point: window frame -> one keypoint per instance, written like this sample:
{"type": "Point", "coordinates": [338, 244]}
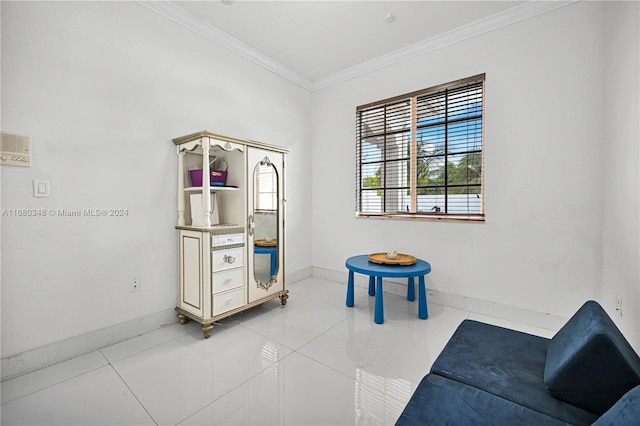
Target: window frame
{"type": "Point", "coordinates": [395, 103]}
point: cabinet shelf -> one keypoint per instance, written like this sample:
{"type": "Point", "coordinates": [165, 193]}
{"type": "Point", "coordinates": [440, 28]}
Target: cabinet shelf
{"type": "Point", "coordinates": [212, 188]}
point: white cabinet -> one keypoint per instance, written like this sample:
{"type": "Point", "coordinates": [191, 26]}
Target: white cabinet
{"type": "Point", "coordinates": [230, 227]}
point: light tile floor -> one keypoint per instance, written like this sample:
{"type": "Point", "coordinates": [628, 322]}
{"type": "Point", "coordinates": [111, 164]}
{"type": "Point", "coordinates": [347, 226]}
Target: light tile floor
{"type": "Point", "coordinates": [313, 362]}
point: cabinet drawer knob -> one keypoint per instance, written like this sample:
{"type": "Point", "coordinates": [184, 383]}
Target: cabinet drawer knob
{"type": "Point", "coordinates": [228, 259]}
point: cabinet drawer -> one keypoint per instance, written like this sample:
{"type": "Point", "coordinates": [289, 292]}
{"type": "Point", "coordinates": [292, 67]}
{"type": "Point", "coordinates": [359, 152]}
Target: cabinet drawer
{"type": "Point", "coordinates": [226, 239]}
{"type": "Point", "coordinates": [227, 259]}
{"type": "Point", "coordinates": [223, 302]}
{"type": "Point", "coordinates": [227, 280]}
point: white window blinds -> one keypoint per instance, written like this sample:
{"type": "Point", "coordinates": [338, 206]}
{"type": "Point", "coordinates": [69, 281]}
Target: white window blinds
{"type": "Point", "coordinates": [421, 154]}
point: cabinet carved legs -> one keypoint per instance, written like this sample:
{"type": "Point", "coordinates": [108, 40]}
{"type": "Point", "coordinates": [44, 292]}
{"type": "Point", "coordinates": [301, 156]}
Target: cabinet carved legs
{"type": "Point", "coordinates": [283, 299]}
{"type": "Point", "coordinates": [206, 330]}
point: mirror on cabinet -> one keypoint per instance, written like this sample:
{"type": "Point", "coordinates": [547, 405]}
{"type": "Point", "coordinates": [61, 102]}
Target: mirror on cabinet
{"type": "Point", "coordinates": [265, 220]}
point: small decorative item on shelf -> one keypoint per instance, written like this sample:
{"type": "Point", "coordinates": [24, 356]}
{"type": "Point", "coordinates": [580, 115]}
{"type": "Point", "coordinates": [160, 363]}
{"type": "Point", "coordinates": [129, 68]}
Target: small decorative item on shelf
{"type": "Point", "coordinates": [218, 174]}
{"type": "Point", "coordinates": [218, 177]}
{"type": "Point", "coordinates": [397, 259]}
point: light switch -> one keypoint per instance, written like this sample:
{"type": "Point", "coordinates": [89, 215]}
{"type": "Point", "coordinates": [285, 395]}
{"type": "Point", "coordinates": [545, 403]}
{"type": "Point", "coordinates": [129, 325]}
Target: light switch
{"type": "Point", "coordinates": [41, 188]}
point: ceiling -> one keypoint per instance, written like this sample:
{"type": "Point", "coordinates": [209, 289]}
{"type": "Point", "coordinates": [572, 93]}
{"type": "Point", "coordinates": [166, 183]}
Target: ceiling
{"type": "Point", "coordinates": [318, 43]}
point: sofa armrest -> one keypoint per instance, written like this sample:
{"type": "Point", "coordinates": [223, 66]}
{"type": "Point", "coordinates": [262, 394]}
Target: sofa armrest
{"type": "Point", "coordinates": [589, 363]}
{"type": "Point", "coordinates": [625, 412]}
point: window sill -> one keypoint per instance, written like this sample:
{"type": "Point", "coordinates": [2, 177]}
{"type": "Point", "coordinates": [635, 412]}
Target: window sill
{"type": "Point", "coordinates": [427, 216]}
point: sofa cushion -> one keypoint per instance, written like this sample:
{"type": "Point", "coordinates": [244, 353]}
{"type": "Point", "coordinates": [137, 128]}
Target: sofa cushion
{"type": "Point", "coordinates": [440, 401]}
{"type": "Point", "coordinates": [506, 363]}
{"type": "Point", "coordinates": [589, 362]}
{"type": "Point", "coordinates": [625, 412]}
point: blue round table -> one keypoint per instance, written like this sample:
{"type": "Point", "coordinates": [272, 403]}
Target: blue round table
{"type": "Point", "coordinates": [376, 272]}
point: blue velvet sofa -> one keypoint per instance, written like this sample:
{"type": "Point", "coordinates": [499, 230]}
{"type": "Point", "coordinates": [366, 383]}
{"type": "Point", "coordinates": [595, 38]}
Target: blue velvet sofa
{"type": "Point", "coordinates": [487, 375]}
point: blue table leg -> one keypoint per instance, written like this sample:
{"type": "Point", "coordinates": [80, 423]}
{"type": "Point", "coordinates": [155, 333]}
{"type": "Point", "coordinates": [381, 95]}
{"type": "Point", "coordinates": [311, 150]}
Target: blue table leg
{"type": "Point", "coordinates": [422, 299]}
{"type": "Point", "coordinates": [350, 290]}
{"type": "Point", "coordinates": [411, 290]}
{"type": "Point", "coordinates": [274, 261]}
{"type": "Point", "coordinates": [379, 309]}
{"type": "Point", "coordinates": [372, 288]}
{"type": "Point", "coordinates": [273, 257]}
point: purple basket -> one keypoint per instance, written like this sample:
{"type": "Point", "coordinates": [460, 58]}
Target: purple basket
{"type": "Point", "coordinates": [218, 177]}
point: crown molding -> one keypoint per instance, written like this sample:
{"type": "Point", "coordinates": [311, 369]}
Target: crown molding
{"type": "Point", "coordinates": [174, 12]}
{"type": "Point", "coordinates": [499, 20]}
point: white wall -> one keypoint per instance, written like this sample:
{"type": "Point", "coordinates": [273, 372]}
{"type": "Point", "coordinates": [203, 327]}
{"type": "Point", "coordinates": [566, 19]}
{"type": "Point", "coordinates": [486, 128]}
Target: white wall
{"type": "Point", "coordinates": [102, 88]}
{"type": "Point", "coordinates": [541, 245]}
{"type": "Point", "coordinates": [621, 112]}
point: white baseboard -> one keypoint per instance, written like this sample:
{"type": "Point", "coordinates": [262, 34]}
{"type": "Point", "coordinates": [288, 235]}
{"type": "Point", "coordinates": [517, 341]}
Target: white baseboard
{"type": "Point", "coordinates": [331, 275]}
{"type": "Point", "coordinates": [55, 353]}
{"type": "Point", "coordinates": [299, 275]}
{"type": "Point", "coordinates": [479, 306]}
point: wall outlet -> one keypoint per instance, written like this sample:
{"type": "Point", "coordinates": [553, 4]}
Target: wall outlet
{"type": "Point", "coordinates": [135, 284]}
{"type": "Point", "coordinates": [619, 304]}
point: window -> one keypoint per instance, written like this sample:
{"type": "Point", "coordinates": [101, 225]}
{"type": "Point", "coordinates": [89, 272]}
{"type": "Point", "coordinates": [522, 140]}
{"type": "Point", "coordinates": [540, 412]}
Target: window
{"type": "Point", "coordinates": [421, 154]}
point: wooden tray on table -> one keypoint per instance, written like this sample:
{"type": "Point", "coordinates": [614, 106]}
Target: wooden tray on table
{"type": "Point", "coordinates": [264, 243]}
{"type": "Point", "coordinates": [401, 259]}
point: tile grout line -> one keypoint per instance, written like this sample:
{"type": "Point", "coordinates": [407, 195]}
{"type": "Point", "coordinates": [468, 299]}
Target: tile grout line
{"type": "Point", "coordinates": [56, 383]}
{"type": "Point", "coordinates": [243, 382]}
{"type": "Point", "coordinates": [133, 393]}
